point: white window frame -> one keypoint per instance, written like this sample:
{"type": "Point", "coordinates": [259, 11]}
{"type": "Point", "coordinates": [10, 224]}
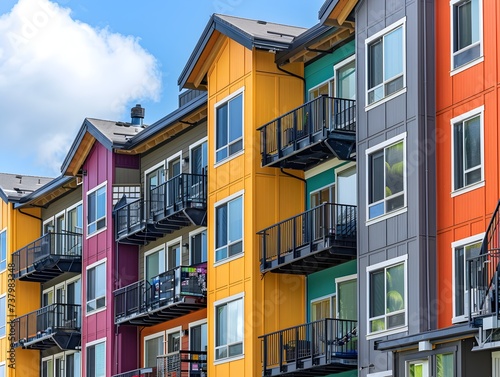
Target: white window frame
{"type": "Point", "coordinates": [195, 324]}
{"type": "Point", "coordinates": [330, 297]}
{"type": "Point", "coordinates": [224, 301]}
{"type": "Point", "coordinates": [69, 209]}
{"type": "Point", "coordinates": [3, 366]}
{"type": "Point", "coordinates": [2, 259]}
{"type": "Point", "coordinates": [152, 251]}
{"type": "Point", "coordinates": [340, 65]}
{"type": "Point", "coordinates": [89, 267]}
{"type": "Point", "coordinates": [191, 235]}
{"type": "Point", "coordinates": [91, 344]}
{"type": "Point", "coordinates": [48, 358]}
{"type": "Point", "coordinates": [341, 280]}
{"type": "Point", "coordinates": [454, 71]}
{"type": "Point", "coordinates": [454, 245]}
{"type": "Point", "coordinates": [222, 202]}
{"type": "Point", "coordinates": [157, 166]}
{"type": "Point", "coordinates": [173, 330]}
{"type": "Point", "coordinates": [153, 336]}
{"type": "Point", "coordinates": [87, 224]}
{"type": "Point", "coordinates": [4, 325]}
{"type": "Point", "coordinates": [368, 152]}
{"type": "Point", "coordinates": [48, 221]}
{"type": "Point", "coordinates": [175, 241]}
{"type": "Point", "coordinates": [51, 289]}
{"type": "Point", "coordinates": [330, 186]}
{"type": "Point", "coordinates": [478, 111]}
{"type": "Point", "coordinates": [194, 145]}
{"type": "Point", "coordinates": [379, 266]}
{"type": "Point", "coordinates": [368, 41]}
{"type": "Point", "coordinates": [331, 87]}
{"type": "Point", "coordinates": [218, 104]}
{"type": "Point", "coordinates": [175, 156]}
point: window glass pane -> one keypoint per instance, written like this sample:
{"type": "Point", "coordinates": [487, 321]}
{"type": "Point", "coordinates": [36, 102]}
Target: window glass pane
{"type": "Point", "coordinates": [472, 141]}
{"type": "Point", "coordinates": [173, 342]}
{"type": "Point", "coordinates": [320, 309]}
{"type": "Point", "coordinates": [153, 348]}
{"type": "Point", "coordinates": [100, 280]}
{"type": "Point", "coordinates": [445, 365]}
{"type": "Point", "coordinates": [221, 326]}
{"type": "Point", "coordinates": [101, 202]}
{"type": "Point", "coordinates": [464, 24]}
{"type": "Point", "coordinates": [92, 207]}
{"type": "Point", "coordinates": [346, 81]}
{"type": "Point", "coordinates": [375, 64]}
{"type": "Point", "coordinates": [459, 281]}
{"type": "Point", "coordinates": [235, 319]}
{"type": "Point", "coordinates": [3, 250]}
{"type": "Point", "coordinates": [91, 281]}
{"type": "Point", "coordinates": [199, 160]}
{"type": "Point", "coordinates": [393, 53]}
{"type": "Point", "coordinates": [100, 360]}
{"type": "Point", "coordinates": [153, 265]}
{"type": "Point", "coordinates": [199, 248]}
{"type": "Point", "coordinates": [458, 155]}
{"type": "Point", "coordinates": [347, 299]}
{"type": "Point", "coordinates": [377, 307]}
{"type": "Point", "coordinates": [222, 136]}
{"type": "Point", "coordinates": [235, 220]}
{"type": "Point", "coordinates": [235, 118]}
{"type": "Point", "coordinates": [394, 169]}
{"type": "Point", "coordinates": [395, 288]}
{"type": "Point", "coordinates": [221, 224]}
{"type": "Point", "coordinates": [174, 256]}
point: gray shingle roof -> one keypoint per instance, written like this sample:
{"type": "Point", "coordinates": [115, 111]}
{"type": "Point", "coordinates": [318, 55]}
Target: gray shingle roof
{"type": "Point", "coordinates": [14, 186]}
{"type": "Point", "coordinates": [115, 132]}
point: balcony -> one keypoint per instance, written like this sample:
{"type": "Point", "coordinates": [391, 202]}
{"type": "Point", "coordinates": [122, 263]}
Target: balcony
{"type": "Point", "coordinates": [319, 238]}
{"type": "Point", "coordinates": [319, 129]}
{"type": "Point", "coordinates": [182, 363]}
{"type": "Point", "coordinates": [170, 295]}
{"type": "Point", "coordinates": [48, 257]}
{"type": "Point", "coordinates": [179, 202]}
{"type": "Point", "coordinates": [53, 325]}
{"type": "Point", "coordinates": [312, 349]}
{"type": "Point", "coordinates": [142, 372]}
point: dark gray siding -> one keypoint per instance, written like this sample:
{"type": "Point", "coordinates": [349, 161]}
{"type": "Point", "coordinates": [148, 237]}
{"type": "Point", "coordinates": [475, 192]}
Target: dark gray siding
{"type": "Point", "coordinates": [68, 200]}
{"type": "Point", "coordinates": [413, 232]}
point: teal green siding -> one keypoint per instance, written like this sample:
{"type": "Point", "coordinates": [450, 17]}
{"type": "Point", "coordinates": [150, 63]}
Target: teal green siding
{"type": "Point", "coordinates": [321, 180]}
{"type": "Point", "coordinates": [322, 69]}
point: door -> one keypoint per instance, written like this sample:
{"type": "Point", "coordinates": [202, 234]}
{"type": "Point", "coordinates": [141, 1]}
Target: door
{"type": "Point", "coordinates": [419, 368]}
{"type": "Point", "coordinates": [346, 199]}
{"type": "Point", "coordinates": [198, 341]}
{"type": "Point", "coordinates": [174, 185]}
{"type": "Point", "coordinates": [155, 190]}
{"type": "Point", "coordinates": [59, 235]}
{"type": "Point", "coordinates": [59, 310]}
{"type": "Point", "coordinates": [345, 110]}
{"type": "Point", "coordinates": [198, 168]}
{"type": "Point", "coordinates": [73, 300]}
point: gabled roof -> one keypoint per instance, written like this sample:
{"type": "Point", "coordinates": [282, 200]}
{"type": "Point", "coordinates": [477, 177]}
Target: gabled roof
{"type": "Point", "coordinates": [49, 192]}
{"type": "Point", "coordinates": [13, 187]}
{"type": "Point", "coordinates": [336, 12]}
{"type": "Point", "coordinates": [249, 33]}
{"type": "Point", "coordinates": [110, 134]}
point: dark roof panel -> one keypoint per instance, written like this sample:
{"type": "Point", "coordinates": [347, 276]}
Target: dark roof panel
{"type": "Point", "coordinates": [13, 187]}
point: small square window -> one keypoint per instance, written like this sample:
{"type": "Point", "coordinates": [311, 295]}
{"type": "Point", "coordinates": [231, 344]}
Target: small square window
{"type": "Point", "coordinates": [229, 229]}
{"type": "Point", "coordinates": [466, 19]}
{"type": "Point", "coordinates": [96, 210]}
{"type": "Point", "coordinates": [96, 287]}
{"type": "Point", "coordinates": [229, 128]}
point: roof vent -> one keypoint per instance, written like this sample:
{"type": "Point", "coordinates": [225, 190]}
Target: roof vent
{"type": "Point", "coordinates": [137, 115]}
{"type": "Point", "coordinates": [262, 22]}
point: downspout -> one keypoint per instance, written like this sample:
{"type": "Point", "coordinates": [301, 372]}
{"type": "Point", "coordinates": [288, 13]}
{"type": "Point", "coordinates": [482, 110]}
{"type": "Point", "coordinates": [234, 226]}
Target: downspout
{"type": "Point", "coordinates": [117, 271]}
{"type": "Point", "coordinates": [291, 74]}
{"type": "Point", "coordinates": [300, 179]}
{"type": "Point", "coordinates": [30, 215]}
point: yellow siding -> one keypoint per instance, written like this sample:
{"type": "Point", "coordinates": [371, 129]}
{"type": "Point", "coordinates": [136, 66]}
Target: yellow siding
{"type": "Point", "coordinates": [21, 229]}
{"type": "Point", "coordinates": [274, 301]}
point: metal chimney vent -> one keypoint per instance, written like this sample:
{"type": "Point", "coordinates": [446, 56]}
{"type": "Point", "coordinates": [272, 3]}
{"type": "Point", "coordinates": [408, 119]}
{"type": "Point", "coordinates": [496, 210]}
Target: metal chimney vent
{"type": "Point", "coordinates": [137, 114]}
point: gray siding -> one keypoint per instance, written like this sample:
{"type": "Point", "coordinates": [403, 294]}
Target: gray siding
{"type": "Point", "coordinates": [63, 203]}
{"type": "Point", "coordinates": [413, 232]}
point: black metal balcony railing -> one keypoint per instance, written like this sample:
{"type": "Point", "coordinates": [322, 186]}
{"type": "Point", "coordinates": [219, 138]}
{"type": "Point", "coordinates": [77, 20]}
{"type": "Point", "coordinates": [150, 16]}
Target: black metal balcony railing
{"type": "Point", "coordinates": [141, 372]}
{"type": "Point", "coordinates": [48, 257]}
{"type": "Point", "coordinates": [329, 227]}
{"type": "Point", "coordinates": [56, 324]}
{"type": "Point", "coordinates": [483, 275]}
{"type": "Point", "coordinates": [181, 192]}
{"type": "Point", "coordinates": [308, 125]}
{"type": "Point", "coordinates": [179, 202]}
{"type": "Point", "coordinates": [169, 295]}
{"type": "Point", "coordinates": [182, 363]}
{"type": "Point", "coordinates": [315, 348]}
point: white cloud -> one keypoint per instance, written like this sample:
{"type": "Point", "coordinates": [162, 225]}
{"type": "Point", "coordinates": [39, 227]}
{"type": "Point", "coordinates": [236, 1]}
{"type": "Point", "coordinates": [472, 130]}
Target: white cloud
{"type": "Point", "coordinates": [55, 71]}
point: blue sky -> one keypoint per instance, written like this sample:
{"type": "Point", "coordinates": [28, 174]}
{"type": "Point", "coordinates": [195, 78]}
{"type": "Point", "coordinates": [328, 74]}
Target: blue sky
{"type": "Point", "coordinates": [62, 61]}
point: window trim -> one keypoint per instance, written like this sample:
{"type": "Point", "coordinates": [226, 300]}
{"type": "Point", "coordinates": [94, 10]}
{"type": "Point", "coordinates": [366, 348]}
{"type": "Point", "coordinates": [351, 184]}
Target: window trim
{"type": "Point", "coordinates": [172, 242]}
{"type": "Point", "coordinates": [454, 71]}
{"type": "Point", "coordinates": [86, 216]}
{"type": "Point", "coordinates": [149, 337]}
{"type": "Point", "coordinates": [383, 265]}
{"type": "Point", "coordinates": [152, 251]}
{"type": "Point", "coordinates": [89, 267]}
{"type": "Point", "coordinates": [176, 156]}
{"type": "Point", "coordinates": [333, 310]}
{"type": "Point", "coordinates": [381, 33]}
{"type": "Point", "coordinates": [368, 152]}
{"type": "Point", "coordinates": [454, 245]}
{"type": "Point", "coordinates": [329, 186]}
{"type": "Point", "coordinates": [227, 199]}
{"type": "Point", "coordinates": [223, 301]}
{"type": "Point", "coordinates": [4, 231]}
{"type": "Point", "coordinates": [218, 104]}
{"type": "Point", "coordinates": [343, 279]}
{"type": "Point", "coordinates": [331, 81]}
{"type": "Point", "coordinates": [92, 344]}
{"type": "Point", "coordinates": [194, 145]}
{"type": "Point", "coordinates": [460, 119]}
{"type": "Point", "coordinates": [340, 65]}
{"type": "Point", "coordinates": [191, 235]}
{"type": "Point", "coordinates": [172, 330]}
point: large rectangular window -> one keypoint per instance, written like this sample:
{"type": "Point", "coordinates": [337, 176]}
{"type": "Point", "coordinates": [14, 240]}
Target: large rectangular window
{"type": "Point", "coordinates": [229, 328]}
{"type": "Point", "coordinates": [229, 127]}
{"type": "Point", "coordinates": [467, 149]}
{"type": "Point", "coordinates": [154, 345]}
{"type": "Point", "coordinates": [198, 247]}
{"type": "Point", "coordinates": [387, 295]}
{"type": "Point", "coordinates": [386, 178]}
{"type": "Point", "coordinates": [466, 19]}
{"type": "Point", "coordinates": [463, 250]}
{"type": "Point", "coordinates": [385, 52]}
{"type": "Point", "coordinates": [229, 228]}
{"type": "Point", "coordinates": [96, 210]}
{"type": "Point", "coordinates": [96, 287]}
{"type": "Point", "coordinates": [3, 250]}
{"type": "Point", "coordinates": [96, 360]}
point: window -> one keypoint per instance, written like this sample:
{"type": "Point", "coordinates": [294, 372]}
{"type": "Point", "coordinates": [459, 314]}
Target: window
{"type": "Point", "coordinates": [229, 127]}
{"type": "Point", "coordinates": [3, 315]}
{"type": "Point", "coordinates": [75, 219]}
{"type": "Point", "coordinates": [198, 159]}
{"type": "Point", "coordinates": [323, 308]}
{"type": "Point", "coordinates": [462, 298]}
{"type": "Point", "coordinates": [324, 89]}
{"type": "Point", "coordinates": [96, 287]}
{"type": "Point", "coordinates": [467, 149]}
{"type": "Point", "coordinates": [418, 368]}
{"type": "Point", "coordinates": [385, 53]}
{"type": "Point", "coordinates": [198, 247]}
{"type": "Point", "coordinates": [155, 263]}
{"type": "Point", "coordinates": [153, 347]}
{"type": "Point", "coordinates": [96, 215]}
{"type": "Point", "coordinates": [2, 370]}
{"type": "Point", "coordinates": [173, 342]}
{"type": "Point", "coordinates": [466, 19]}
{"type": "Point", "coordinates": [345, 72]}
{"type": "Point", "coordinates": [324, 195]}
{"type": "Point", "coordinates": [229, 328]}
{"type": "Point", "coordinates": [73, 365]}
{"type": "Point", "coordinates": [347, 293]}
{"type": "Point", "coordinates": [154, 194]}
{"type": "Point", "coordinates": [48, 368]}
{"type": "Point", "coordinates": [386, 178]}
{"type": "Point", "coordinates": [387, 295]}
{"type": "Point", "coordinates": [445, 365]}
{"type": "Point", "coordinates": [229, 228]}
{"type": "Point", "coordinates": [198, 341]}
{"type": "Point", "coordinates": [96, 360]}
{"type": "Point", "coordinates": [3, 250]}
{"type": "Point", "coordinates": [174, 257]}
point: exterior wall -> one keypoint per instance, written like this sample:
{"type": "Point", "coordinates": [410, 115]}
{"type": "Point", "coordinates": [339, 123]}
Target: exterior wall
{"type": "Point", "coordinates": [457, 94]}
{"type": "Point", "coordinates": [268, 197]}
{"type": "Point", "coordinates": [63, 203]}
{"type": "Point", "coordinates": [411, 233]}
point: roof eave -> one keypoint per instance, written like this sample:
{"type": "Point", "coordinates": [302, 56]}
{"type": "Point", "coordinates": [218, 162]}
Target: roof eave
{"type": "Point", "coordinates": [42, 191]}
{"type": "Point", "coordinates": [326, 9]}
